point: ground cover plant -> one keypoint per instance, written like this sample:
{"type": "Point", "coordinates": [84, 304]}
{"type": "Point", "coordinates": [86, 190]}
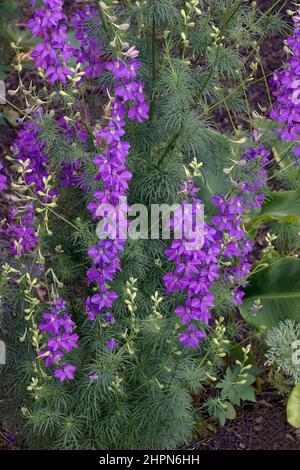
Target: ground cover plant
{"type": "Point", "coordinates": [125, 335]}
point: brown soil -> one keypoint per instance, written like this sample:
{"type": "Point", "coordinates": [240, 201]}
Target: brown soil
{"type": "Point", "coordinates": [259, 426]}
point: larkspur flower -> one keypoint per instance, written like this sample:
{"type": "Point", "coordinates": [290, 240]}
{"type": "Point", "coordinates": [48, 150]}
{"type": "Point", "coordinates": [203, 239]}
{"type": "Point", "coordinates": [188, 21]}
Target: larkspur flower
{"type": "Point", "coordinates": [286, 89]}
{"type": "Point", "coordinates": [194, 273]}
{"type": "Point", "coordinates": [252, 190]}
{"type": "Point", "coordinates": [65, 372]}
{"type": "Point", "coordinates": [55, 49]}
{"type": "Point", "coordinates": [111, 344]}
{"type": "Point", "coordinates": [235, 245]}
{"type": "Point", "coordinates": [192, 337]}
{"type": "Point", "coordinates": [58, 327]}
{"type": "Point", "coordinates": [89, 51]}
{"type": "Point", "coordinates": [225, 252]}
{"type": "Point", "coordinates": [114, 178]}
{"type": "Point", "coordinates": [30, 149]}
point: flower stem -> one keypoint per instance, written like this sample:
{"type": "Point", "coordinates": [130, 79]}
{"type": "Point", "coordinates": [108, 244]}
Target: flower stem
{"type": "Point", "coordinates": [102, 16]}
{"type": "Point", "coordinates": [153, 50]}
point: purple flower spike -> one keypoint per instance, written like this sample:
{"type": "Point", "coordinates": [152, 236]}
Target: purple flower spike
{"type": "Point", "coordinates": [111, 344]}
{"type": "Point", "coordinates": [65, 372]}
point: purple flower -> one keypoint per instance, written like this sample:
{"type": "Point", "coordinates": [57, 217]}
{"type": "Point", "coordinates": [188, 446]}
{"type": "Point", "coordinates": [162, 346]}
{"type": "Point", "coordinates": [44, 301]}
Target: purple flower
{"type": "Point", "coordinates": [138, 112]}
{"type": "Point", "coordinates": [21, 224]}
{"type": "Point", "coordinates": [191, 338]}
{"type": "Point", "coordinates": [111, 344]}
{"type": "Point", "coordinates": [286, 89]}
{"type": "Point", "coordinates": [65, 372]}
{"type": "Point", "coordinates": [225, 251]}
{"type": "Point", "coordinates": [58, 326]}
{"type": "Point", "coordinates": [55, 49]}
{"type": "Point", "coordinates": [94, 378]}
{"type": "Point", "coordinates": [57, 74]}
{"type": "Point", "coordinates": [114, 176]}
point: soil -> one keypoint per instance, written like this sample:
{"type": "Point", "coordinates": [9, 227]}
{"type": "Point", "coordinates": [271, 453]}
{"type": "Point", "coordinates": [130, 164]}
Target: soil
{"type": "Point", "coordinates": [258, 426]}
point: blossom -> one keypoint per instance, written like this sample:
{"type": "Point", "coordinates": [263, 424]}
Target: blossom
{"type": "Point", "coordinates": [191, 338]}
{"type": "Point", "coordinates": [255, 173]}
{"type": "Point", "coordinates": [66, 371]}
{"type": "Point", "coordinates": [236, 246]}
{"type": "Point", "coordinates": [111, 344]}
{"type": "Point", "coordinates": [58, 326]}
{"type": "Point", "coordinates": [195, 270]}
{"type": "Point", "coordinates": [225, 251]}
{"type": "Point", "coordinates": [94, 377]}
{"type": "Point", "coordinates": [89, 51]}
{"type": "Point", "coordinates": [55, 49]}
{"type": "Point", "coordinates": [286, 89]}
{"type": "Point", "coordinates": [115, 178]}
{"type": "Point", "coordinates": [30, 149]}
{"type": "Point", "coordinates": [138, 112]}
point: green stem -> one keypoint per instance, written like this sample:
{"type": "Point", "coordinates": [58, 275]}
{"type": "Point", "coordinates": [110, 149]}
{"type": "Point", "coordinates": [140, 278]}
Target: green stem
{"type": "Point", "coordinates": [62, 218]}
{"type": "Point", "coordinates": [102, 16]}
{"type": "Point", "coordinates": [153, 50]}
{"type": "Point", "coordinates": [228, 111]}
{"type": "Point", "coordinates": [170, 146]}
{"type": "Point", "coordinates": [265, 80]}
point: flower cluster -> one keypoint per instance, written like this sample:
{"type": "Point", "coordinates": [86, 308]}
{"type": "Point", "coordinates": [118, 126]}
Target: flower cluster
{"type": "Point", "coordinates": [287, 91]}
{"type": "Point", "coordinates": [235, 245]}
{"type": "Point", "coordinates": [55, 50]}
{"type": "Point", "coordinates": [88, 53]}
{"type": "Point", "coordinates": [70, 174]}
{"type": "Point", "coordinates": [195, 271]}
{"type": "Point", "coordinates": [254, 175]}
{"type": "Point", "coordinates": [225, 252]}
{"type": "Point", "coordinates": [114, 178]}
{"type": "Point", "coordinates": [58, 325]}
{"type": "Point", "coordinates": [29, 151]}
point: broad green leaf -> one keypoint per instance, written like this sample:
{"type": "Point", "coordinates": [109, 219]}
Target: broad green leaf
{"type": "Point", "coordinates": [293, 407]}
{"type": "Point", "coordinates": [11, 116]}
{"type": "Point", "coordinates": [214, 181]}
{"type": "Point", "coordinates": [230, 412]}
{"type": "Point", "coordinates": [283, 206]}
{"type": "Point", "coordinates": [278, 288]}
{"type": "Point", "coordinates": [232, 388]}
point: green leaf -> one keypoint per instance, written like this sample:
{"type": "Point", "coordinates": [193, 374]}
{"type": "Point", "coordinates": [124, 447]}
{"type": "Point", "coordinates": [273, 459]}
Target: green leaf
{"type": "Point", "coordinates": [293, 407]}
{"type": "Point", "coordinates": [11, 116]}
{"type": "Point", "coordinates": [233, 390]}
{"type": "Point", "coordinates": [214, 182]}
{"type": "Point", "coordinates": [230, 412]}
{"type": "Point", "coordinates": [246, 393]}
{"type": "Point", "coordinates": [278, 288]}
{"type": "Point", "coordinates": [284, 205]}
